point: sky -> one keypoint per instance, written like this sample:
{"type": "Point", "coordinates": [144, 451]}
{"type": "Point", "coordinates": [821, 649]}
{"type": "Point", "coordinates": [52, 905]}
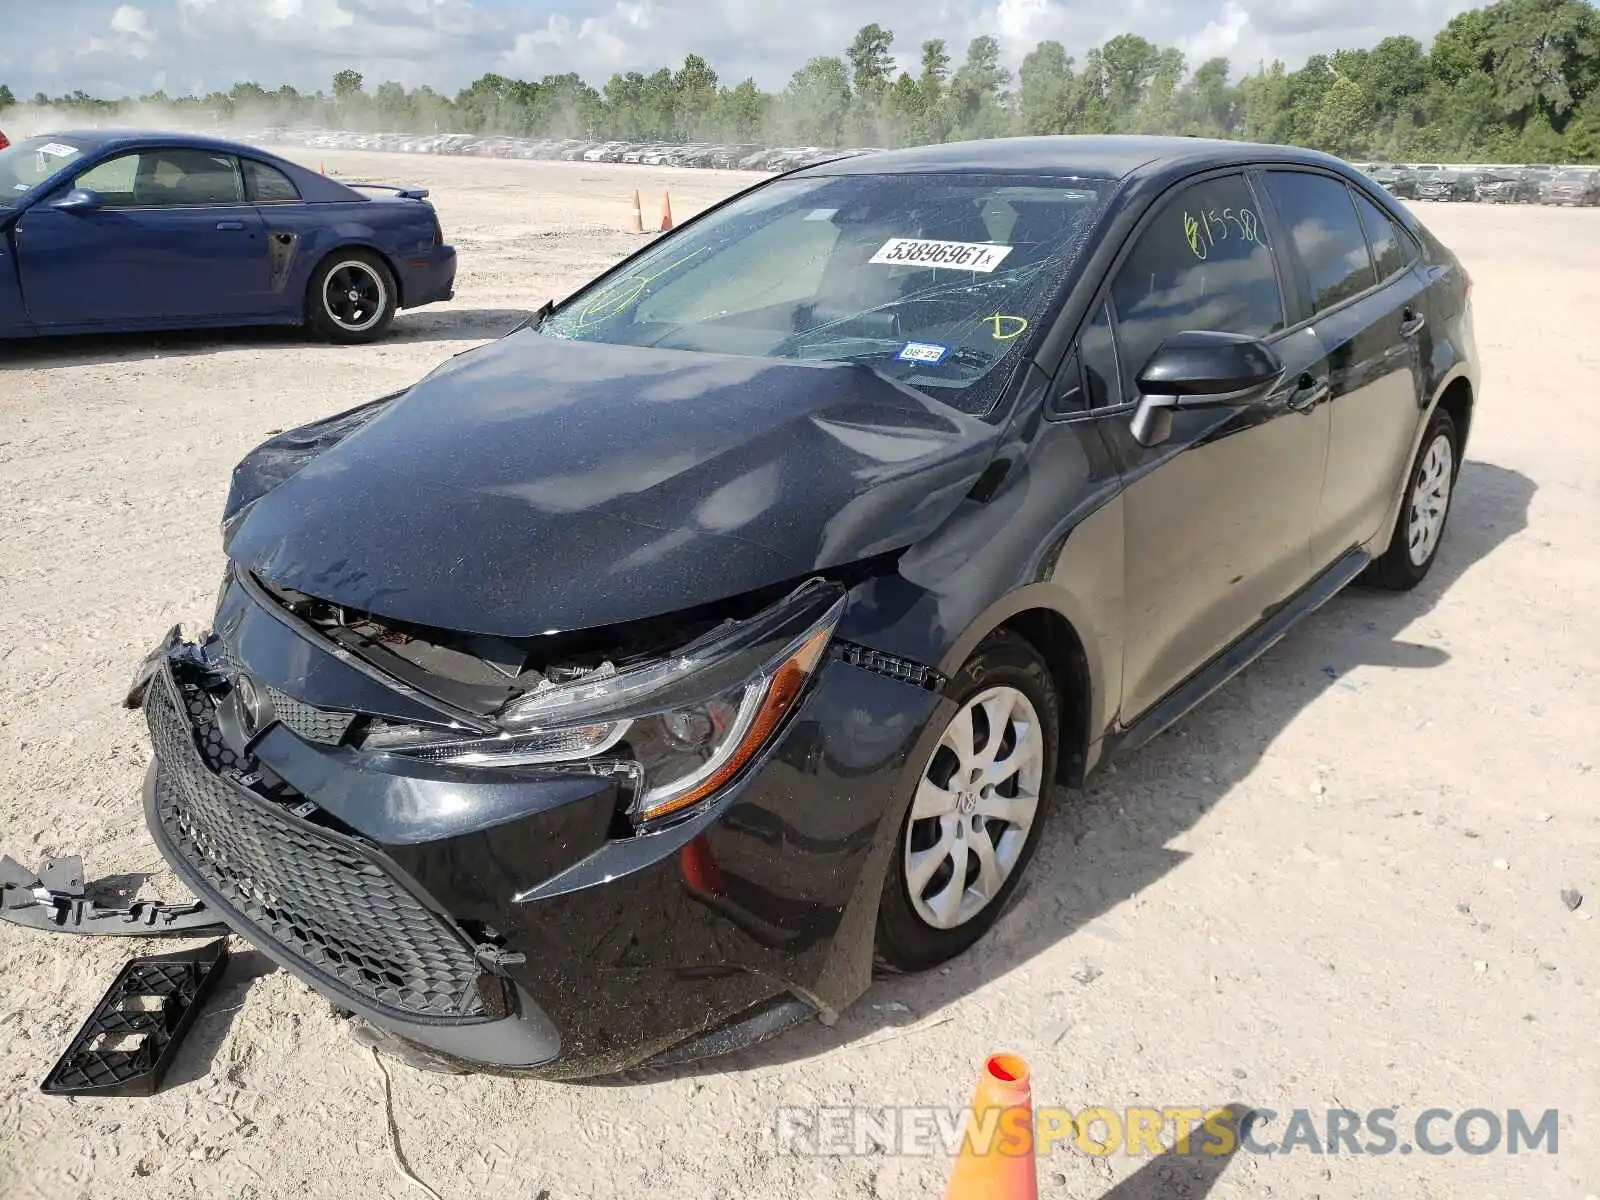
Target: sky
{"type": "Point", "coordinates": [108, 48]}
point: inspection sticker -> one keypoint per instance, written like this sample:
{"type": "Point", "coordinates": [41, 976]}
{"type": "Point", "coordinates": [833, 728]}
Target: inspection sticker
{"type": "Point", "coordinates": [963, 256]}
{"type": "Point", "coordinates": [57, 150]}
{"type": "Point", "coordinates": [822, 214]}
{"type": "Point", "coordinates": [923, 352]}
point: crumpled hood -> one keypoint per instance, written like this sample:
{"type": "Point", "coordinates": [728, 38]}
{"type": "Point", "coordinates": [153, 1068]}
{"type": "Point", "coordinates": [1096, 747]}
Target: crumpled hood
{"type": "Point", "coordinates": [536, 485]}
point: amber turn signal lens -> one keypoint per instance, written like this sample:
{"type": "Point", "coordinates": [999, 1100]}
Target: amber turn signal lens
{"type": "Point", "coordinates": [782, 691]}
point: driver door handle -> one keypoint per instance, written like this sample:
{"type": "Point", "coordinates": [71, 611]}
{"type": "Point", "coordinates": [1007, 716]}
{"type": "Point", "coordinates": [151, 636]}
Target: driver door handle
{"type": "Point", "coordinates": [1411, 323]}
{"type": "Point", "coordinates": [230, 224]}
{"type": "Point", "coordinates": [1308, 393]}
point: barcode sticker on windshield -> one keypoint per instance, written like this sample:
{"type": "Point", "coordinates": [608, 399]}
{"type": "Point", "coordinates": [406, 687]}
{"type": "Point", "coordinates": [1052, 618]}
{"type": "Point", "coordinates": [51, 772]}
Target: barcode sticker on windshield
{"type": "Point", "coordinates": [961, 256]}
{"type": "Point", "coordinates": [57, 150]}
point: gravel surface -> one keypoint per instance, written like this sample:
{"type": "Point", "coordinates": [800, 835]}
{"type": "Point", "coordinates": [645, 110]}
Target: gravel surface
{"type": "Point", "coordinates": [1346, 882]}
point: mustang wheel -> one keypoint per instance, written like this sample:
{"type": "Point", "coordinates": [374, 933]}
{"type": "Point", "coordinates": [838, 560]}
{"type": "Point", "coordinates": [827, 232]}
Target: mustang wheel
{"type": "Point", "coordinates": [1420, 529]}
{"type": "Point", "coordinates": [352, 297]}
{"type": "Point", "coordinates": [979, 803]}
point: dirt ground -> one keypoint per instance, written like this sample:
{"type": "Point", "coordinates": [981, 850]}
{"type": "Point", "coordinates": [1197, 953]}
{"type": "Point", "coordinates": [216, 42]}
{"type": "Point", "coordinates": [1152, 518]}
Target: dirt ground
{"type": "Point", "coordinates": [1337, 885]}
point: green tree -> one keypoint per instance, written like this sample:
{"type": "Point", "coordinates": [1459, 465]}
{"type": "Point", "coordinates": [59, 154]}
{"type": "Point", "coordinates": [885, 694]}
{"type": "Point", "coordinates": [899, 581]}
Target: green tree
{"type": "Point", "coordinates": [7, 100]}
{"type": "Point", "coordinates": [816, 101]}
{"type": "Point", "coordinates": [1264, 104]}
{"type": "Point", "coordinates": [871, 65]}
{"type": "Point", "coordinates": [1045, 85]}
{"type": "Point", "coordinates": [1544, 54]}
{"type": "Point", "coordinates": [1339, 124]}
{"type": "Point", "coordinates": [347, 84]}
{"type": "Point", "coordinates": [977, 91]}
{"type": "Point", "coordinates": [1128, 65]}
{"type": "Point", "coordinates": [1208, 104]}
{"type": "Point", "coordinates": [743, 112]}
{"type": "Point", "coordinates": [392, 103]}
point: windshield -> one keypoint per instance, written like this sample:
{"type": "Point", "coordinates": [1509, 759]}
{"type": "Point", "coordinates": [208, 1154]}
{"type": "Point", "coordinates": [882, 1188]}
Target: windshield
{"type": "Point", "coordinates": [930, 279]}
{"type": "Point", "coordinates": [28, 163]}
{"type": "Point", "coordinates": [1580, 176]}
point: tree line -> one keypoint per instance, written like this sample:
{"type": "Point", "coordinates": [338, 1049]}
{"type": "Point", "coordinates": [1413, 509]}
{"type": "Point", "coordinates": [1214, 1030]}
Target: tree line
{"type": "Point", "coordinates": [1516, 81]}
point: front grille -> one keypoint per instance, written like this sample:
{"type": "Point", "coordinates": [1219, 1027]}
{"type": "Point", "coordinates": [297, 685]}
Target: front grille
{"type": "Point", "coordinates": [326, 899]}
{"type": "Point", "coordinates": [314, 724]}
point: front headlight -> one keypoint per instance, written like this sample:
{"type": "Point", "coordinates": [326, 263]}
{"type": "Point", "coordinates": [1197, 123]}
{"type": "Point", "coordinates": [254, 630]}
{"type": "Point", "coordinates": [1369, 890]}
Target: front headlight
{"type": "Point", "coordinates": [677, 729]}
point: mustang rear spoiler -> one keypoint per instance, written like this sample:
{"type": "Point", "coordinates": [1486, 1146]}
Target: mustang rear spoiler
{"type": "Point", "coordinates": [405, 193]}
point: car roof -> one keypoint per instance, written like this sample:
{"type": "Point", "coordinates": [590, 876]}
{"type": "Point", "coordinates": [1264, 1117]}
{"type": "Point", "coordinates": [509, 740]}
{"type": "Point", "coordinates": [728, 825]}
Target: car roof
{"type": "Point", "coordinates": [1081, 156]}
{"type": "Point", "coordinates": [100, 138]}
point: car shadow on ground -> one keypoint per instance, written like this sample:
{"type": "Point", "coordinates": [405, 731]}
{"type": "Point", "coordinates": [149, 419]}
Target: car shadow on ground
{"type": "Point", "coordinates": [1105, 845]}
{"type": "Point", "coordinates": [99, 349]}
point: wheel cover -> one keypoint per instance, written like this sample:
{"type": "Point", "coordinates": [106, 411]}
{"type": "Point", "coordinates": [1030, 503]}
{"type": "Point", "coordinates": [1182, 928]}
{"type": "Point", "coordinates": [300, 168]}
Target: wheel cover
{"type": "Point", "coordinates": [975, 803]}
{"type": "Point", "coordinates": [1430, 500]}
{"type": "Point", "coordinates": [354, 296]}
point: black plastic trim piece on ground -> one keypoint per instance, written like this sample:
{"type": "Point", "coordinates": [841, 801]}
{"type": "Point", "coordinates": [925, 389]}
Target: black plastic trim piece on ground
{"type": "Point", "coordinates": [55, 900]}
{"type": "Point", "coordinates": [151, 1003]}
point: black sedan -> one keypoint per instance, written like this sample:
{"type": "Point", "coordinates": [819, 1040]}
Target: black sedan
{"type": "Point", "coordinates": [1447, 185]}
{"type": "Point", "coordinates": [1507, 187]}
{"type": "Point", "coordinates": [1400, 182]}
{"type": "Point", "coordinates": [630, 685]}
{"type": "Point", "coordinates": [1577, 187]}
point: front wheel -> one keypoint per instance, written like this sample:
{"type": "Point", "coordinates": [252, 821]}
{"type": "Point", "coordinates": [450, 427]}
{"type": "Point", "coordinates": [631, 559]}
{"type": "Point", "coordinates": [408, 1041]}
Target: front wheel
{"type": "Point", "coordinates": [352, 297]}
{"type": "Point", "coordinates": [1420, 528]}
{"type": "Point", "coordinates": [974, 818]}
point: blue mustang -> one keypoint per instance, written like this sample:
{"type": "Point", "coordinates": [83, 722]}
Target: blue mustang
{"type": "Point", "coordinates": [123, 231]}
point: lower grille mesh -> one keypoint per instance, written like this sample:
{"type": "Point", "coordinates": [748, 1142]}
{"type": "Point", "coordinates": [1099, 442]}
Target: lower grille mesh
{"type": "Point", "coordinates": [322, 897]}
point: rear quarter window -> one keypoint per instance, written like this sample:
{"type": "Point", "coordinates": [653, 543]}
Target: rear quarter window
{"type": "Point", "coordinates": [267, 185]}
{"type": "Point", "coordinates": [1392, 248]}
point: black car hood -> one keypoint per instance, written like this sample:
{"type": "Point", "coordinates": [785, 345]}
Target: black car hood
{"type": "Point", "coordinates": [537, 485]}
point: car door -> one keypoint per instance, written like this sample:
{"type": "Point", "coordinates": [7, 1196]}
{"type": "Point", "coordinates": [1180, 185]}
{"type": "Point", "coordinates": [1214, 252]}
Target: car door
{"type": "Point", "coordinates": [172, 240]}
{"type": "Point", "coordinates": [1351, 267]}
{"type": "Point", "coordinates": [1217, 518]}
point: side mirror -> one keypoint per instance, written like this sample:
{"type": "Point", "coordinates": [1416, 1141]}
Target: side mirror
{"type": "Point", "coordinates": [1201, 370]}
{"type": "Point", "coordinates": [79, 200]}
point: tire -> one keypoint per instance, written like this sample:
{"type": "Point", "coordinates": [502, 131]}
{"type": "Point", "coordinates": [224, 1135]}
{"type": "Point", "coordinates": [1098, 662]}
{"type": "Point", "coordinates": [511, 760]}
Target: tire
{"type": "Point", "coordinates": [352, 297]}
{"type": "Point", "coordinates": [1004, 670]}
{"type": "Point", "coordinates": [1419, 529]}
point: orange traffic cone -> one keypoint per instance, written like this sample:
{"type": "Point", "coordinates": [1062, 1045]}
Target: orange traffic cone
{"type": "Point", "coordinates": [997, 1155]}
{"type": "Point", "coordinates": [666, 211]}
{"type": "Point", "coordinates": [637, 222]}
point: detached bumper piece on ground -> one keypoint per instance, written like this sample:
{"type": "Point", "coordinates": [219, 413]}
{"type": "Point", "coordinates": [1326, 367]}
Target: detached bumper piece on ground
{"type": "Point", "coordinates": [55, 899]}
{"type": "Point", "coordinates": [131, 1038]}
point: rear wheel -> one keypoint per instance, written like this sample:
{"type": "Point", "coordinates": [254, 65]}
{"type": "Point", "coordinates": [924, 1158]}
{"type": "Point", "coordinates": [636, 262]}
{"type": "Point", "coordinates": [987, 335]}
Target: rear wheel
{"type": "Point", "coordinates": [352, 297]}
{"type": "Point", "coordinates": [1420, 527]}
{"type": "Point", "coordinates": [974, 820]}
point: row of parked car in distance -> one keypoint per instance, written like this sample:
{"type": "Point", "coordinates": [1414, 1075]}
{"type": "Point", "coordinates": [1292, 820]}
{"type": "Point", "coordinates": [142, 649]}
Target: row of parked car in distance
{"type": "Point", "coordinates": [725, 156]}
{"type": "Point", "coordinates": [1539, 183]}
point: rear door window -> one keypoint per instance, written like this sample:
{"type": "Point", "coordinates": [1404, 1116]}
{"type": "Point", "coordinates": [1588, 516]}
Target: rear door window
{"type": "Point", "coordinates": [1204, 263]}
{"type": "Point", "coordinates": [1326, 233]}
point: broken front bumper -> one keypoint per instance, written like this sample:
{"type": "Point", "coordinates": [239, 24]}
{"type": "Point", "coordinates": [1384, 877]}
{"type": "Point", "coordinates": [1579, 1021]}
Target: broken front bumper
{"type": "Point", "coordinates": [331, 908]}
{"type": "Point", "coordinates": [502, 917]}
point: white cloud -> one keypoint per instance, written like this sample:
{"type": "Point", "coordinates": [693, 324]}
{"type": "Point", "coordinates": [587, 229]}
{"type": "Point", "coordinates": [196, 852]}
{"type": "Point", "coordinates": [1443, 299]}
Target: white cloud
{"type": "Point", "coordinates": [132, 22]}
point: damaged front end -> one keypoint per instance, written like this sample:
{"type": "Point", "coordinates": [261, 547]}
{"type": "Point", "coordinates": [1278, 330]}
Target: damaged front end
{"type": "Point", "coordinates": [559, 854]}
